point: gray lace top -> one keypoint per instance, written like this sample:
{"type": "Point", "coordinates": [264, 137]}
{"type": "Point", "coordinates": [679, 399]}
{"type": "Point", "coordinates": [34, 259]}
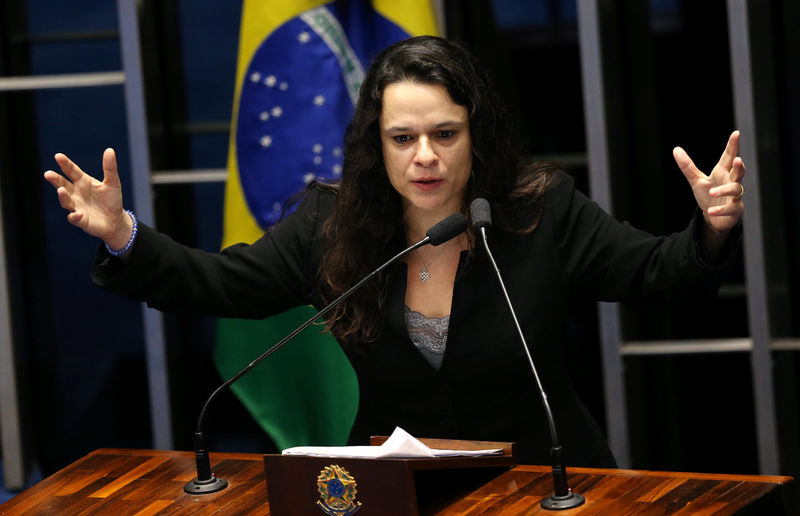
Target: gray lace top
{"type": "Point", "coordinates": [429, 335]}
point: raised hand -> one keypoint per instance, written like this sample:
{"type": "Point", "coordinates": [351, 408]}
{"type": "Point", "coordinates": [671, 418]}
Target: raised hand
{"type": "Point", "coordinates": [94, 206]}
{"type": "Point", "coordinates": [718, 194]}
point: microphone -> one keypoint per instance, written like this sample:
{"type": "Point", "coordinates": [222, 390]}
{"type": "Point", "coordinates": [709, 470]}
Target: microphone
{"type": "Point", "coordinates": [481, 214]}
{"type": "Point", "coordinates": [441, 232]}
{"type": "Point", "coordinates": [206, 482]}
{"type": "Point", "coordinates": [563, 497]}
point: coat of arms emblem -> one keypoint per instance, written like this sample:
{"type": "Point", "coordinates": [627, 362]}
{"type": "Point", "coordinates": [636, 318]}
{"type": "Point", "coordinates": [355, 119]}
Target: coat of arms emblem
{"type": "Point", "coordinates": [337, 491]}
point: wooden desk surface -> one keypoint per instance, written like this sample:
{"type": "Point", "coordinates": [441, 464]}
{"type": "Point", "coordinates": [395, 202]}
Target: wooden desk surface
{"type": "Point", "coordinates": [142, 482]}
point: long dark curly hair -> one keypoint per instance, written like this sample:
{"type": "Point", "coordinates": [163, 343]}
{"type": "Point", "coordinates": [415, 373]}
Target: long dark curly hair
{"type": "Point", "coordinates": [367, 227]}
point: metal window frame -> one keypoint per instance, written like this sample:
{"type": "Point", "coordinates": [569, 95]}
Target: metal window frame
{"type": "Point", "coordinates": [158, 384]}
{"type": "Point", "coordinates": [153, 320]}
{"type": "Point", "coordinates": [761, 343]}
{"type": "Point", "coordinates": [10, 426]}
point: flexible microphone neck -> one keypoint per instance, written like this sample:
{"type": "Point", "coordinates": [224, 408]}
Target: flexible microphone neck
{"type": "Point", "coordinates": [206, 482]}
{"type": "Point", "coordinates": [550, 420]}
{"type": "Point", "coordinates": [563, 497]}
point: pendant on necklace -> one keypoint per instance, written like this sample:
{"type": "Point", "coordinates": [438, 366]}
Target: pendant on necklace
{"type": "Point", "coordinates": [424, 275]}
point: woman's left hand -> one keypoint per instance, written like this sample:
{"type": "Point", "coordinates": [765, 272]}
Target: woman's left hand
{"type": "Point", "coordinates": [719, 194]}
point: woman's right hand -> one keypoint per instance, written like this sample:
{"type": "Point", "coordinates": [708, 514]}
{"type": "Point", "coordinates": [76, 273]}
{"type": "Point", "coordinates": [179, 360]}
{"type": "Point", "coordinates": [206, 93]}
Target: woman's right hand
{"type": "Point", "coordinates": [94, 206]}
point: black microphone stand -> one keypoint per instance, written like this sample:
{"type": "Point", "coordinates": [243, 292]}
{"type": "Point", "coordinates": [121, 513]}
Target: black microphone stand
{"type": "Point", "coordinates": [562, 497]}
{"type": "Point", "coordinates": [206, 481]}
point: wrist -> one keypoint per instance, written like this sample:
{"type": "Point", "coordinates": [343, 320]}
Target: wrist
{"type": "Point", "coordinates": [124, 237]}
{"type": "Point", "coordinates": [713, 241]}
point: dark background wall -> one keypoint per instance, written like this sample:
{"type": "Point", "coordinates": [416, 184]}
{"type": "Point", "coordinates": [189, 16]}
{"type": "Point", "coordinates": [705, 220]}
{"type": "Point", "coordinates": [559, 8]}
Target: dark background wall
{"type": "Point", "coordinates": [81, 350]}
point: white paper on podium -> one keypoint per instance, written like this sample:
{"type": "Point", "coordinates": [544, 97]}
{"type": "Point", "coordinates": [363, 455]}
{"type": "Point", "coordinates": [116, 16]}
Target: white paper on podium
{"type": "Point", "coordinates": [400, 445]}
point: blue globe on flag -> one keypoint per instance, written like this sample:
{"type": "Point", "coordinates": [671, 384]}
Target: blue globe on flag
{"type": "Point", "coordinates": [297, 99]}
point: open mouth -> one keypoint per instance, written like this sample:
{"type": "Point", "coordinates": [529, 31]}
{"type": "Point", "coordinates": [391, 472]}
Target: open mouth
{"type": "Point", "coordinates": [427, 183]}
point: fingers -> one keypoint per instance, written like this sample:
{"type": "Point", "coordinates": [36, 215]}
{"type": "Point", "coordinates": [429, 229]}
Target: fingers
{"type": "Point", "coordinates": [734, 190]}
{"type": "Point", "coordinates": [738, 170]}
{"type": "Point", "coordinates": [730, 152]}
{"type": "Point", "coordinates": [686, 165]}
{"type": "Point", "coordinates": [731, 209]}
{"type": "Point", "coordinates": [74, 172]}
{"type": "Point", "coordinates": [63, 189]}
{"type": "Point", "coordinates": [110, 174]}
{"type": "Point", "coordinates": [57, 180]}
{"type": "Point", "coordinates": [87, 200]}
{"type": "Point", "coordinates": [75, 218]}
{"type": "Point", "coordinates": [65, 199]}
{"type": "Point", "coordinates": [70, 169]}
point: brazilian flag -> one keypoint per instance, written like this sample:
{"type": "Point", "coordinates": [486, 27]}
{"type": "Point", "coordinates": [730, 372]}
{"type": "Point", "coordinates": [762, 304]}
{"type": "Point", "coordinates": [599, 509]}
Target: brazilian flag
{"type": "Point", "coordinates": [299, 69]}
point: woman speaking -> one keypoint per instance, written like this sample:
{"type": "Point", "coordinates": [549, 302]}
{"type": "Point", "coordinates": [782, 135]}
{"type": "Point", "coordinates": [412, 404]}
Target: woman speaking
{"type": "Point", "coordinates": [430, 338]}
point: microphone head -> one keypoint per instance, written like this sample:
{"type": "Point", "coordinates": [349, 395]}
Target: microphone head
{"type": "Point", "coordinates": [447, 229]}
{"type": "Point", "coordinates": [481, 213]}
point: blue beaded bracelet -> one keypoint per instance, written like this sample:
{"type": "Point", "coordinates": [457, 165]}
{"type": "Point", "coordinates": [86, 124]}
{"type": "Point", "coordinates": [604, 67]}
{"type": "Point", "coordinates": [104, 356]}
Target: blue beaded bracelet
{"type": "Point", "coordinates": [131, 240]}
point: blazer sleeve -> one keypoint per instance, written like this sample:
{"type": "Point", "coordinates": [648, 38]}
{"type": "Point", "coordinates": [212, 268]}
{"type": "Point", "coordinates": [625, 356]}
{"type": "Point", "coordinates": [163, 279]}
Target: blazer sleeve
{"type": "Point", "coordinates": [613, 261]}
{"type": "Point", "coordinates": [273, 274]}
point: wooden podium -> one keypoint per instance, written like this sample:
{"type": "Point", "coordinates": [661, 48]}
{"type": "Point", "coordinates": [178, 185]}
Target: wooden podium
{"type": "Point", "coordinates": [143, 482]}
{"type": "Point", "coordinates": [389, 487]}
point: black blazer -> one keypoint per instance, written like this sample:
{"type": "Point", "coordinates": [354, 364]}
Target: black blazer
{"type": "Point", "coordinates": [484, 389]}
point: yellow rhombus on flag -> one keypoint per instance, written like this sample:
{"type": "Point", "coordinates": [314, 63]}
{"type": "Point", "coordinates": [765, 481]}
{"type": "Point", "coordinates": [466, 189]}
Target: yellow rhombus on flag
{"type": "Point", "coordinates": [299, 67]}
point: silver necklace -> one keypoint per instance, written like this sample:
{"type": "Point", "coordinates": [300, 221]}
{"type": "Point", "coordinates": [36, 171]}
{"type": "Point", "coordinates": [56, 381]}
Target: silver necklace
{"type": "Point", "coordinates": [425, 274]}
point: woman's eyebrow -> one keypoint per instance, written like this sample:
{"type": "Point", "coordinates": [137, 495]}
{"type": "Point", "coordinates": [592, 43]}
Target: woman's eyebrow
{"type": "Point", "coordinates": [400, 128]}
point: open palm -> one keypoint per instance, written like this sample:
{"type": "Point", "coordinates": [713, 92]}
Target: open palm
{"type": "Point", "coordinates": [94, 206]}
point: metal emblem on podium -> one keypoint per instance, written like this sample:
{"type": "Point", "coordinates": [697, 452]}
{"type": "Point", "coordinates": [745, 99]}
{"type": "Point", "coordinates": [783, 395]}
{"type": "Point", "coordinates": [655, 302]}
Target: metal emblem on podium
{"type": "Point", "coordinates": [337, 491]}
